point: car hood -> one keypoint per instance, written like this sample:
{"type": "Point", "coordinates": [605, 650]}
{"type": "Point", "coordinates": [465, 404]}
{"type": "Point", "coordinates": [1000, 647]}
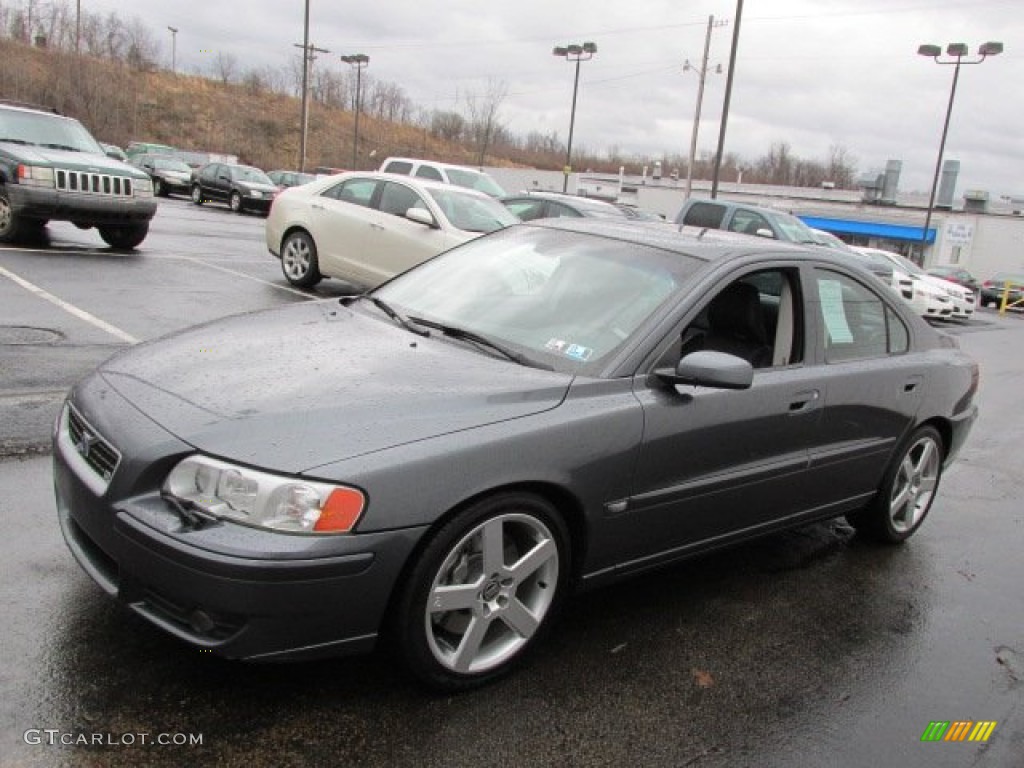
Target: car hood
{"type": "Point", "coordinates": [254, 185]}
{"type": "Point", "coordinates": [76, 161]}
{"type": "Point", "coordinates": [946, 285]}
{"type": "Point", "coordinates": [307, 385]}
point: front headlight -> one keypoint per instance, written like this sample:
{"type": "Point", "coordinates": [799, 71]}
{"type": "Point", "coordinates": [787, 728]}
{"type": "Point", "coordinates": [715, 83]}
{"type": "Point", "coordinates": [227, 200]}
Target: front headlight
{"type": "Point", "coordinates": [142, 187]}
{"type": "Point", "coordinates": [35, 176]}
{"type": "Point", "coordinates": [256, 193]}
{"type": "Point", "coordinates": [244, 495]}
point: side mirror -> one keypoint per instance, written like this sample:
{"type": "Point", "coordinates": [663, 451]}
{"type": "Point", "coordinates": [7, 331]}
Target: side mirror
{"type": "Point", "coordinates": [421, 216]}
{"type": "Point", "coordinates": [710, 369]}
{"type": "Point", "coordinates": [765, 232]}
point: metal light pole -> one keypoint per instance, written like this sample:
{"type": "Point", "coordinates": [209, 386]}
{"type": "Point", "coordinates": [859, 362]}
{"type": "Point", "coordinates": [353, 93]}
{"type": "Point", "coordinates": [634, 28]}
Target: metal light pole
{"type": "Point", "coordinates": [174, 49]}
{"type": "Point", "coordinates": [576, 53]}
{"type": "Point", "coordinates": [728, 97]}
{"type": "Point", "coordinates": [78, 27]}
{"type": "Point", "coordinates": [702, 73]}
{"type": "Point", "coordinates": [956, 53]}
{"type": "Point", "coordinates": [359, 61]}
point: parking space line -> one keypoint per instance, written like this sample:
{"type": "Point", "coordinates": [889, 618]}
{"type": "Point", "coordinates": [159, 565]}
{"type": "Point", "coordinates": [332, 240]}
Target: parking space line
{"type": "Point", "coordinates": [70, 308]}
{"type": "Point", "coordinates": [249, 277]}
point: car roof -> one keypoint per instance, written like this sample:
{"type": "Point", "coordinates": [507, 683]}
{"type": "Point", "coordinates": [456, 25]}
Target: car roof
{"type": "Point", "coordinates": [435, 163]}
{"type": "Point", "coordinates": [578, 200]}
{"type": "Point", "coordinates": [412, 181]}
{"type": "Point", "coordinates": [697, 242]}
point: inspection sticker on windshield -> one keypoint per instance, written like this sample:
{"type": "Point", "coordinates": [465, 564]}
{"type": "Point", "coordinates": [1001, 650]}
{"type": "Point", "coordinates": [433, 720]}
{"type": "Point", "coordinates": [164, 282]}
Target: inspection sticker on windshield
{"type": "Point", "coordinates": [575, 351]}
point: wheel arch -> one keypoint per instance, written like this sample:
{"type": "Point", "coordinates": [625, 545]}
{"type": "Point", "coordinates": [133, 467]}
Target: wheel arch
{"type": "Point", "coordinates": [292, 229]}
{"type": "Point", "coordinates": [943, 427]}
{"type": "Point", "coordinates": [564, 501]}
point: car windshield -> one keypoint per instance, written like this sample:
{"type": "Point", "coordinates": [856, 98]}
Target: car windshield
{"type": "Point", "coordinates": [168, 164]}
{"type": "Point", "coordinates": [905, 264]}
{"type": "Point", "coordinates": [560, 299]}
{"type": "Point", "coordinates": [473, 213]}
{"type": "Point", "coordinates": [794, 229]}
{"type": "Point", "coordinates": [254, 175]}
{"type": "Point", "coordinates": [475, 180]}
{"type": "Point", "coordinates": [48, 131]}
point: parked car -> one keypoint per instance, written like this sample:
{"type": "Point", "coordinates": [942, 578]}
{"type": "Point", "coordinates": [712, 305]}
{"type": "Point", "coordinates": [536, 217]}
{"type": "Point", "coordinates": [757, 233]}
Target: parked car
{"type": "Point", "coordinates": [285, 179]}
{"type": "Point", "coordinates": [367, 227]}
{"type": "Point", "coordinates": [993, 289]}
{"type": "Point", "coordinates": [530, 206]}
{"type": "Point", "coordinates": [827, 239]}
{"type": "Point", "coordinates": [52, 168]}
{"type": "Point", "coordinates": [927, 300]}
{"type": "Point", "coordinates": [963, 299]}
{"type": "Point", "coordinates": [957, 275]}
{"type": "Point", "coordinates": [746, 219]}
{"type": "Point", "coordinates": [242, 187]}
{"type": "Point", "coordinates": [556, 405]}
{"type": "Point", "coordinates": [459, 175]}
{"type": "Point", "coordinates": [170, 175]}
{"type": "Point", "coordinates": [136, 148]}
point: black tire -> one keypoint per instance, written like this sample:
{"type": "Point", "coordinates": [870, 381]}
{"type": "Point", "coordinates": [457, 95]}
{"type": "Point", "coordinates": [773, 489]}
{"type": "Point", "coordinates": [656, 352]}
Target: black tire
{"type": "Point", "coordinates": [12, 227]}
{"type": "Point", "coordinates": [299, 260]}
{"type": "Point", "coordinates": [124, 237]}
{"type": "Point", "coordinates": [496, 612]}
{"type": "Point", "coordinates": [907, 491]}
{"type": "Point", "coordinates": [159, 190]}
{"type": "Point", "coordinates": [197, 194]}
{"type": "Point", "coordinates": [235, 202]}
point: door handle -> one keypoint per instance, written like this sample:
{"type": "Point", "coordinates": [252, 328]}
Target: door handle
{"type": "Point", "coordinates": [804, 401]}
{"type": "Point", "coordinates": [911, 384]}
{"type": "Point", "coordinates": [317, 207]}
{"type": "Point", "coordinates": [376, 226]}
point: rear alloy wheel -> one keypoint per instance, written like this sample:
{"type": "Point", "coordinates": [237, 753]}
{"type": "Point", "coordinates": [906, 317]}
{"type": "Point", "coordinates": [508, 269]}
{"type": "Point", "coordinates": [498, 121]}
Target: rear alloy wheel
{"type": "Point", "coordinates": [907, 492]}
{"type": "Point", "coordinates": [12, 228]}
{"type": "Point", "coordinates": [299, 261]}
{"type": "Point", "coordinates": [197, 194]}
{"type": "Point", "coordinates": [483, 591]}
{"type": "Point", "coordinates": [125, 237]}
{"type": "Point", "coordinates": [235, 202]}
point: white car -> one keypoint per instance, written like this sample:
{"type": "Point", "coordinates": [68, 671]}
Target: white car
{"type": "Point", "coordinates": [963, 299]}
{"type": "Point", "coordinates": [459, 175]}
{"type": "Point", "coordinates": [365, 228]}
{"type": "Point", "coordinates": [927, 300]}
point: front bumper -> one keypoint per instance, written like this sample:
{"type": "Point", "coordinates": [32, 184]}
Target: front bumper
{"type": "Point", "coordinates": [82, 208]}
{"type": "Point", "coordinates": [241, 592]}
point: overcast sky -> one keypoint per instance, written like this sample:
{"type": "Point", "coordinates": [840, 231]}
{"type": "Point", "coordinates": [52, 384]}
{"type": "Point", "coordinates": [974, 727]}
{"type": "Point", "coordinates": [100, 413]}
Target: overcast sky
{"type": "Point", "coordinates": [813, 73]}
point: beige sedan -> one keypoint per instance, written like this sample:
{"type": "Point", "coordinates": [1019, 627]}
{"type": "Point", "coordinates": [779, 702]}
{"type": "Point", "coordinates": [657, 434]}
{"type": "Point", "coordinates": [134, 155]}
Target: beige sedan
{"type": "Point", "coordinates": [365, 228]}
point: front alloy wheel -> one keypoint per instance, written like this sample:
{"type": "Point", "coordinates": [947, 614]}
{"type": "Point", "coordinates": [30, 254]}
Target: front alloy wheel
{"type": "Point", "coordinates": [197, 194]}
{"type": "Point", "coordinates": [907, 492]}
{"type": "Point", "coordinates": [235, 202]}
{"type": "Point", "coordinates": [10, 225]}
{"type": "Point", "coordinates": [299, 261]}
{"type": "Point", "coordinates": [483, 591]}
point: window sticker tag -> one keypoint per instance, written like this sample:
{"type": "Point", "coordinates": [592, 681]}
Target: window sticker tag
{"type": "Point", "coordinates": [556, 345]}
{"type": "Point", "coordinates": [577, 352]}
{"type": "Point", "coordinates": [833, 312]}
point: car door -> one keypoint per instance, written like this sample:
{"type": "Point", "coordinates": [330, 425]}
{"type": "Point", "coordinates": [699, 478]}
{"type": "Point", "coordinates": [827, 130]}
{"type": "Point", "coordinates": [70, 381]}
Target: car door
{"type": "Point", "coordinates": [397, 242]}
{"type": "Point", "coordinates": [340, 220]}
{"type": "Point", "coordinates": [207, 180]}
{"type": "Point", "coordinates": [716, 463]}
{"type": "Point", "coordinates": [875, 383]}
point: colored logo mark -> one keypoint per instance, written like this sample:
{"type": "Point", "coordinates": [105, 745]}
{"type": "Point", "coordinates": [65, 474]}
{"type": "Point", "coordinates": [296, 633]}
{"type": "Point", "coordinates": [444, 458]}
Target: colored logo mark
{"type": "Point", "coordinates": [958, 730]}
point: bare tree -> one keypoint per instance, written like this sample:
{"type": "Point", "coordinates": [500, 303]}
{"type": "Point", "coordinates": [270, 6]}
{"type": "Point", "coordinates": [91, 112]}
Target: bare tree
{"type": "Point", "coordinates": [482, 111]}
{"type": "Point", "coordinates": [225, 67]}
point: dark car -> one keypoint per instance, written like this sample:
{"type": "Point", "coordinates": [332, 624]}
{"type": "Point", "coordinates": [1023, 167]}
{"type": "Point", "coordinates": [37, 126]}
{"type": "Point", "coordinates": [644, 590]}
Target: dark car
{"type": "Point", "coordinates": [746, 219]}
{"type": "Point", "coordinates": [1002, 284]}
{"type": "Point", "coordinates": [285, 179]}
{"type": "Point", "coordinates": [170, 175]}
{"type": "Point", "coordinates": [554, 405]}
{"type": "Point", "coordinates": [242, 187]}
{"type": "Point", "coordinates": [957, 275]}
{"type": "Point", "coordinates": [551, 205]}
{"type": "Point", "coordinates": [52, 168]}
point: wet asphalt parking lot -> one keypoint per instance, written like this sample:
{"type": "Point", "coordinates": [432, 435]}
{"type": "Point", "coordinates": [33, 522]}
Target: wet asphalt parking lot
{"type": "Point", "coordinates": [809, 648]}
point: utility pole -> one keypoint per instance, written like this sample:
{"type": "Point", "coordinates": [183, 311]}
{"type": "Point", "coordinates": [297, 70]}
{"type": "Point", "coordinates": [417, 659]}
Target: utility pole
{"type": "Point", "coordinates": [174, 49]}
{"type": "Point", "coordinates": [78, 27]}
{"type": "Point", "coordinates": [728, 96]}
{"type": "Point", "coordinates": [702, 72]}
{"type": "Point", "coordinates": [307, 58]}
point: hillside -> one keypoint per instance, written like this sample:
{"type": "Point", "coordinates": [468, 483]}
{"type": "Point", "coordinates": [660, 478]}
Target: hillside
{"type": "Point", "coordinates": [120, 104]}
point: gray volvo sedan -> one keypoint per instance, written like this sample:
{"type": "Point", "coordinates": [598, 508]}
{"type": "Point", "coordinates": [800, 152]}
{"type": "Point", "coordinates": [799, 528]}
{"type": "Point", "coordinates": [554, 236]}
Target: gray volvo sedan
{"type": "Point", "coordinates": [442, 460]}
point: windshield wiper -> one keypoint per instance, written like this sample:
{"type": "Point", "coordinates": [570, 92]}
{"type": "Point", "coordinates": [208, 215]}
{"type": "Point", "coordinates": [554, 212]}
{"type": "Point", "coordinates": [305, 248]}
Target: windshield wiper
{"type": "Point", "coordinates": [397, 316]}
{"type": "Point", "coordinates": [68, 147]}
{"type": "Point", "coordinates": [464, 334]}
{"type": "Point", "coordinates": [12, 140]}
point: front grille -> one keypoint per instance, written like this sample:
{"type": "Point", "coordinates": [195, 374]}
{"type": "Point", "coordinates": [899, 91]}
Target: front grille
{"type": "Point", "coordinates": [93, 183]}
{"type": "Point", "coordinates": [97, 452]}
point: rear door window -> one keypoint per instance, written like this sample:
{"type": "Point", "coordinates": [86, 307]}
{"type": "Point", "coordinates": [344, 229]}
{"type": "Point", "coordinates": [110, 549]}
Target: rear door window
{"type": "Point", "coordinates": [428, 172]}
{"type": "Point", "coordinates": [708, 215]}
{"type": "Point", "coordinates": [398, 166]}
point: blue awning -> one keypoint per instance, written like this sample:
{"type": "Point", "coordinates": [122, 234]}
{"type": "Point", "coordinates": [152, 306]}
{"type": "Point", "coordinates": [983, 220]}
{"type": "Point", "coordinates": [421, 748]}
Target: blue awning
{"type": "Point", "coordinates": [869, 229]}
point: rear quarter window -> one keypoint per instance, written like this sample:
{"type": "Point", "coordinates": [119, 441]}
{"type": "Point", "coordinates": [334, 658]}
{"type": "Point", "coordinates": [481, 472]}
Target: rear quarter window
{"type": "Point", "coordinates": [398, 166]}
{"type": "Point", "coordinates": [708, 215]}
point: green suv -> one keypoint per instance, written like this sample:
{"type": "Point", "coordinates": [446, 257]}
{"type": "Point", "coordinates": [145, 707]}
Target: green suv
{"type": "Point", "coordinates": [52, 168]}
